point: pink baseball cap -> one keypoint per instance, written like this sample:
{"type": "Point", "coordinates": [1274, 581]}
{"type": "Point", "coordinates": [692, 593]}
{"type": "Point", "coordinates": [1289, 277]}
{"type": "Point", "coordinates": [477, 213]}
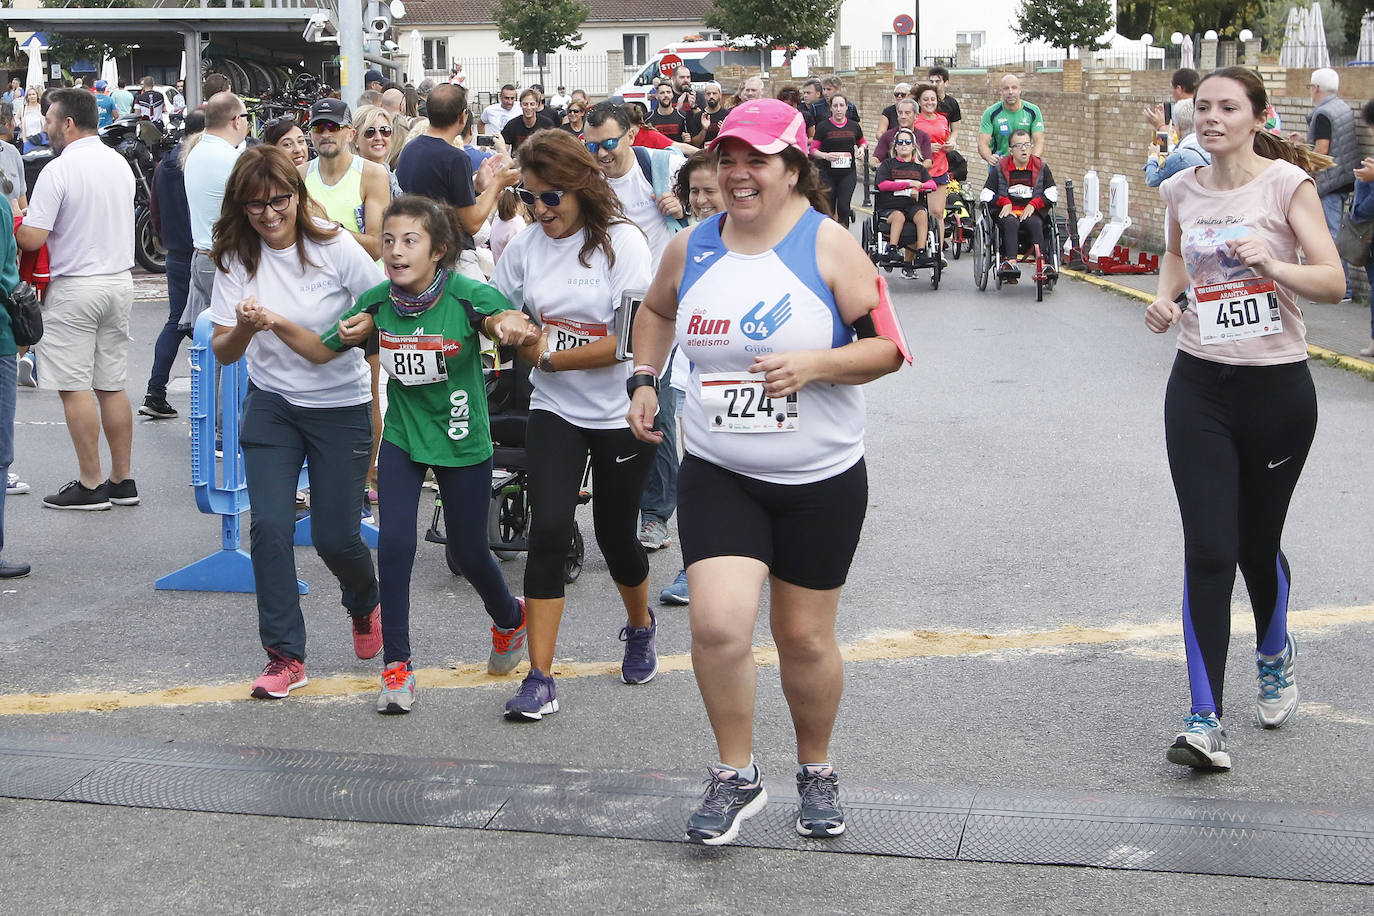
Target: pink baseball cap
{"type": "Point", "coordinates": [768, 125]}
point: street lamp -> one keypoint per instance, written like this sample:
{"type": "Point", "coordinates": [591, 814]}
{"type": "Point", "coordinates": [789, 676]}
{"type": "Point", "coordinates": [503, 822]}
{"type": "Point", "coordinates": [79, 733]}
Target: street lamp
{"type": "Point", "coordinates": [1176, 38]}
{"type": "Point", "coordinates": [1210, 35]}
{"type": "Point", "coordinates": [1246, 35]}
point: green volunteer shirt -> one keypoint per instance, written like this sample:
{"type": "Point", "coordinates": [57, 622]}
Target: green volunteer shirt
{"type": "Point", "coordinates": [9, 274]}
{"type": "Point", "coordinates": [1001, 124]}
{"type": "Point", "coordinates": [443, 423]}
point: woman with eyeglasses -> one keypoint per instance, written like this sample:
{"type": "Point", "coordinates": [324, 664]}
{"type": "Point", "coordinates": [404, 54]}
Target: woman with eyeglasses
{"type": "Point", "coordinates": [836, 146]}
{"type": "Point", "coordinates": [569, 274]}
{"type": "Point", "coordinates": [377, 139]}
{"type": "Point", "coordinates": [284, 275]}
{"type": "Point", "coordinates": [285, 133]}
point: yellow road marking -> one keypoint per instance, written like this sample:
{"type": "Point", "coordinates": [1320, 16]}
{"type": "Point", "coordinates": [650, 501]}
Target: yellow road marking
{"type": "Point", "coordinates": [889, 645]}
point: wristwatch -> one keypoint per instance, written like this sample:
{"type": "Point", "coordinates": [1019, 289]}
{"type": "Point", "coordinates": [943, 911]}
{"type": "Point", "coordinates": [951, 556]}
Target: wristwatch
{"type": "Point", "coordinates": [545, 363]}
{"type": "Point", "coordinates": [640, 380]}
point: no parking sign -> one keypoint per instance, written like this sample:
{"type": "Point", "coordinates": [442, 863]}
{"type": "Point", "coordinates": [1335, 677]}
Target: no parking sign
{"type": "Point", "coordinates": [904, 25]}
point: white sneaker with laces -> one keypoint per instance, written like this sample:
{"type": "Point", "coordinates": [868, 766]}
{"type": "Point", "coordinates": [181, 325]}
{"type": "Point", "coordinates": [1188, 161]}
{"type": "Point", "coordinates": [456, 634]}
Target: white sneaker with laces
{"type": "Point", "coordinates": [1278, 686]}
{"type": "Point", "coordinates": [1202, 745]}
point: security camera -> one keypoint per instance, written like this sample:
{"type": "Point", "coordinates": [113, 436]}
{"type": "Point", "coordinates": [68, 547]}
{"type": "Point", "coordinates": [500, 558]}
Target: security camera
{"type": "Point", "coordinates": [316, 27]}
{"type": "Point", "coordinates": [391, 46]}
{"type": "Point", "coordinates": [378, 25]}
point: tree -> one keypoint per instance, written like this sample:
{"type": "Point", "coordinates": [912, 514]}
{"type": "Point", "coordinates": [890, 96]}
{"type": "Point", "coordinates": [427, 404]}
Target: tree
{"type": "Point", "coordinates": [541, 27]}
{"type": "Point", "coordinates": [1064, 23]}
{"type": "Point", "coordinates": [767, 24]}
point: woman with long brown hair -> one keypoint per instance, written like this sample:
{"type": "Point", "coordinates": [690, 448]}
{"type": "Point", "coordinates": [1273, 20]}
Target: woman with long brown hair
{"type": "Point", "coordinates": [285, 276]}
{"type": "Point", "coordinates": [569, 274]}
{"type": "Point", "coordinates": [1240, 410]}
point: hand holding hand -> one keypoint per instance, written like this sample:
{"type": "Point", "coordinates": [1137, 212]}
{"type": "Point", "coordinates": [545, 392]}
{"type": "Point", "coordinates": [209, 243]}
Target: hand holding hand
{"type": "Point", "coordinates": [253, 316]}
{"type": "Point", "coordinates": [512, 328]}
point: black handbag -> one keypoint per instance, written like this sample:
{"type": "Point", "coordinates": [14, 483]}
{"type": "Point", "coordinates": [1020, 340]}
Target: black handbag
{"type": "Point", "coordinates": [1353, 240]}
{"type": "Point", "coordinates": [26, 320]}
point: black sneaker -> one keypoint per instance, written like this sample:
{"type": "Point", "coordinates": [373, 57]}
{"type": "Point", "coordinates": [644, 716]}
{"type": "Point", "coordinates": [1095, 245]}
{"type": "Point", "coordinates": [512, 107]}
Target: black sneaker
{"type": "Point", "coordinates": [76, 496]}
{"type": "Point", "coordinates": [819, 791]}
{"type": "Point", "coordinates": [157, 408]}
{"type": "Point", "coordinates": [123, 493]}
{"type": "Point", "coordinates": [729, 801]}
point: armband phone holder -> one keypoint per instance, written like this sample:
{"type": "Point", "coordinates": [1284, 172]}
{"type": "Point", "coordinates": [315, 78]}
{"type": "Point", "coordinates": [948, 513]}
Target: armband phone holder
{"type": "Point", "coordinates": [886, 323]}
{"type": "Point", "coordinates": [624, 321]}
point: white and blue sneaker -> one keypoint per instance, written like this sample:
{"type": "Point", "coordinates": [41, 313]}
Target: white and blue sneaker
{"type": "Point", "coordinates": [1202, 745]}
{"type": "Point", "coordinates": [729, 801]}
{"type": "Point", "coordinates": [677, 592]}
{"type": "Point", "coordinates": [1278, 686]}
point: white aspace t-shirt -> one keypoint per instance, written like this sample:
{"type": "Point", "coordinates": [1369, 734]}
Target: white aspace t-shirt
{"type": "Point", "coordinates": [496, 117]}
{"type": "Point", "coordinates": [85, 199]}
{"type": "Point", "coordinates": [576, 305]}
{"type": "Point", "coordinates": [637, 197]}
{"type": "Point", "coordinates": [313, 298]}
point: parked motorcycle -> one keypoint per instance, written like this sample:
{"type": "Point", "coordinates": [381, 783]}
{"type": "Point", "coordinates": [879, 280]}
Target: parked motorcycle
{"type": "Point", "coordinates": [143, 143]}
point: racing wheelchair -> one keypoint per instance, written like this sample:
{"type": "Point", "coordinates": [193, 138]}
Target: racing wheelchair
{"type": "Point", "coordinates": [987, 246]}
{"type": "Point", "coordinates": [889, 257]}
{"type": "Point", "coordinates": [508, 516]}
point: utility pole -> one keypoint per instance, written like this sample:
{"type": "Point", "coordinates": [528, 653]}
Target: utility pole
{"type": "Point", "coordinates": [351, 51]}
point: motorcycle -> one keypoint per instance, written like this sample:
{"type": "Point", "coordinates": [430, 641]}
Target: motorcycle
{"type": "Point", "coordinates": [143, 143]}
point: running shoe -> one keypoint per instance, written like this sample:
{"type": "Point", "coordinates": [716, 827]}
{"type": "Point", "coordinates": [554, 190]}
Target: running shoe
{"type": "Point", "coordinates": [908, 273]}
{"type": "Point", "coordinates": [15, 486]}
{"type": "Point", "coordinates": [641, 661]}
{"type": "Point", "coordinates": [729, 802]}
{"type": "Point", "coordinates": [1202, 745]}
{"type": "Point", "coordinates": [536, 698]}
{"type": "Point", "coordinates": [507, 646]}
{"type": "Point", "coordinates": [398, 689]}
{"type": "Point", "coordinates": [653, 534]}
{"type": "Point", "coordinates": [28, 371]}
{"type": "Point", "coordinates": [124, 493]}
{"type": "Point", "coordinates": [281, 676]}
{"type": "Point", "coordinates": [157, 408]}
{"type": "Point", "coordinates": [820, 814]}
{"type": "Point", "coordinates": [677, 592]}
{"type": "Point", "coordinates": [1278, 686]}
{"type": "Point", "coordinates": [367, 633]}
{"type": "Point", "coordinates": [74, 495]}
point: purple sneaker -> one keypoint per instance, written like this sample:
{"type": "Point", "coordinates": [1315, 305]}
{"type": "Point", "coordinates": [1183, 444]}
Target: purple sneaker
{"type": "Point", "coordinates": [536, 698]}
{"type": "Point", "coordinates": [641, 661]}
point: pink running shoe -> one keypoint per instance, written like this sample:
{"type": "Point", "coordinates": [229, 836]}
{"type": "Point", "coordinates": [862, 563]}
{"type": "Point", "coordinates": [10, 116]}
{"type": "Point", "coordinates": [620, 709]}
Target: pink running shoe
{"type": "Point", "coordinates": [367, 634]}
{"type": "Point", "coordinates": [281, 676]}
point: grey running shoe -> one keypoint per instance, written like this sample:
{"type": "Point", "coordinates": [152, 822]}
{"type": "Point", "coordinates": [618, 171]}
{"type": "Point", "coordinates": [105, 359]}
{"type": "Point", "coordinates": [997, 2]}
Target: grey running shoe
{"type": "Point", "coordinates": [507, 646]}
{"type": "Point", "coordinates": [728, 803]}
{"type": "Point", "coordinates": [1202, 745]}
{"type": "Point", "coordinates": [398, 689]}
{"type": "Point", "coordinates": [820, 814]}
{"type": "Point", "coordinates": [536, 698]}
{"type": "Point", "coordinates": [1278, 686]}
{"type": "Point", "coordinates": [653, 534]}
{"type": "Point", "coordinates": [641, 661]}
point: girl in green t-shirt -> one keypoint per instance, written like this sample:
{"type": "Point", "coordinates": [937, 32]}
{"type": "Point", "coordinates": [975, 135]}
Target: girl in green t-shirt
{"type": "Point", "coordinates": [427, 320]}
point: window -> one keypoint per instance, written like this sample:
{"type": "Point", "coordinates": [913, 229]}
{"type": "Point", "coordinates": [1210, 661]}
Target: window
{"type": "Point", "coordinates": [897, 49]}
{"type": "Point", "coordinates": [636, 47]}
{"type": "Point", "coordinates": [973, 39]}
{"type": "Point", "coordinates": [436, 53]}
{"type": "Point", "coordinates": [536, 59]}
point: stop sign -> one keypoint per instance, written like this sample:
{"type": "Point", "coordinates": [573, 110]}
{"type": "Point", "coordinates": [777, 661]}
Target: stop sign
{"type": "Point", "coordinates": [669, 65]}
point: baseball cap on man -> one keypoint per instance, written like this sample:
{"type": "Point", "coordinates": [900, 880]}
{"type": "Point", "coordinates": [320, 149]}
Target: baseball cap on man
{"type": "Point", "coordinates": [101, 85]}
{"type": "Point", "coordinates": [330, 110]}
{"type": "Point", "coordinates": [768, 125]}
{"type": "Point", "coordinates": [373, 76]}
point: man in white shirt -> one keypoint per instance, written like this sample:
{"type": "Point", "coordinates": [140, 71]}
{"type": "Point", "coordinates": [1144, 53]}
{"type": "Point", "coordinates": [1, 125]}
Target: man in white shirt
{"type": "Point", "coordinates": [207, 169]}
{"type": "Point", "coordinates": [494, 117]}
{"type": "Point", "coordinates": [561, 100]}
{"type": "Point", "coordinates": [83, 209]}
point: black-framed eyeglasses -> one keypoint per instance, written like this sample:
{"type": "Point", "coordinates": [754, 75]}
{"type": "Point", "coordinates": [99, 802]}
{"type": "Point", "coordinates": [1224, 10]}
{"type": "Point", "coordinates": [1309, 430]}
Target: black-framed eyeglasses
{"type": "Point", "coordinates": [259, 207]}
{"type": "Point", "coordinates": [607, 145]}
{"type": "Point", "coordinates": [548, 198]}
{"type": "Point", "coordinates": [374, 131]}
{"type": "Point", "coordinates": [241, 114]}
{"type": "Point", "coordinates": [1023, 145]}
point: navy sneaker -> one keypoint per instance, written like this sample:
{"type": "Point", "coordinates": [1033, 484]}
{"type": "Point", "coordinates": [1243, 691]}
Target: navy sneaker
{"type": "Point", "coordinates": [677, 592]}
{"type": "Point", "coordinates": [536, 698]}
{"type": "Point", "coordinates": [820, 814]}
{"type": "Point", "coordinates": [641, 661]}
{"type": "Point", "coordinates": [728, 803]}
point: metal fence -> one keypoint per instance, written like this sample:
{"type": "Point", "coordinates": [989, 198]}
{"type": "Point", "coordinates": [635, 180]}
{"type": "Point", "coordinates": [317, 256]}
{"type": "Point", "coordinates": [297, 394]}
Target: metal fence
{"type": "Point", "coordinates": [590, 72]}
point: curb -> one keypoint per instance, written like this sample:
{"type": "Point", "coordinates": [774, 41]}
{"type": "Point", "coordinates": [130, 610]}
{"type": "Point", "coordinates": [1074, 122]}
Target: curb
{"type": "Point", "coordinates": [1330, 357]}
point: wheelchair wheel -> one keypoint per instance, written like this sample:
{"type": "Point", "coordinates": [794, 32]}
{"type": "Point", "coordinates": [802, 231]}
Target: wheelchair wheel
{"type": "Point", "coordinates": [508, 521]}
{"type": "Point", "coordinates": [982, 253]}
{"type": "Point", "coordinates": [956, 239]}
{"type": "Point", "coordinates": [572, 563]}
{"type": "Point", "coordinates": [870, 248]}
{"type": "Point", "coordinates": [933, 253]}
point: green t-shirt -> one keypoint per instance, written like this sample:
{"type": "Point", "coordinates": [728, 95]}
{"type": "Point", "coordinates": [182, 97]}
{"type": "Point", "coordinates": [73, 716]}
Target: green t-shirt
{"type": "Point", "coordinates": [442, 423]}
{"type": "Point", "coordinates": [9, 274]}
{"type": "Point", "coordinates": [1001, 124]}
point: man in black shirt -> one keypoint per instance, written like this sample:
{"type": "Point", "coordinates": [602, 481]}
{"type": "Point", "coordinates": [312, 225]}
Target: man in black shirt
{"type": "Point", "coordinates": [949, 105]}
{"type": "Point", "coordinates": [709, 116]}
{"type": "Point", "coordinates": [530, 120]}
{"type": "Point", "coordinates": [667, 119]}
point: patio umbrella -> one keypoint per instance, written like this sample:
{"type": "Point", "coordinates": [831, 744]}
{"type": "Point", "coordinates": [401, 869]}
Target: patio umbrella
{"type": "Point", "coordinates": [1185, 51]}
{"type": "Point", "coordinates": [416, 64]}
{"type": "Point", "coordinates": [1290, 54]}
{"type": "Point", "coordinates": [109, 72]}
{"type": "Point", "coordinates": [1317, 55]}
{"type": "Point", "coordinates": [182, 74]}
{"type": "Point", "coordinates": [34, 77]}
{"type": "Point", "coordinates": [1366, 49]}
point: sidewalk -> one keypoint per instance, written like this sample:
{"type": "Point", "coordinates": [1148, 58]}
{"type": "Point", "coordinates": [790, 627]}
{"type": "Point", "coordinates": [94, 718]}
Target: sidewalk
{"type": "Point", "coordinates": [1337, 331]}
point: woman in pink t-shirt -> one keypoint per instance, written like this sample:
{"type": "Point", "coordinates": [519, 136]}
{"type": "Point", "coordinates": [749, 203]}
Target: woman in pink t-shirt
{"type": "Point", "coordinates": [935, 125]}
{"type": "Point", "coordinates": [1240, 411]}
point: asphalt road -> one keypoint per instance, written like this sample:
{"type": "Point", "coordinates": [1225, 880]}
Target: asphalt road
{"type": "Point", "coordinates": [1021, 570]}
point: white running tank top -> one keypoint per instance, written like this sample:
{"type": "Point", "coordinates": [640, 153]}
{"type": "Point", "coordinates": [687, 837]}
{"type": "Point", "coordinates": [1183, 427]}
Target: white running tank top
{"type": "Point", "coordinates": [733, 307]}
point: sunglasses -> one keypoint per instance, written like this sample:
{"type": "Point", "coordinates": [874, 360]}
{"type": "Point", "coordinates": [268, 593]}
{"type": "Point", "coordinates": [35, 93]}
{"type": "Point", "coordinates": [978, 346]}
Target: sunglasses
{"type": "Point", "coordinates": [323, 127]}
{"type": "Point", "coordinates": [899, 95]}
{"type": "Point", "coordinates": [259, 207]}
{"type": "Point", "coordinates": [288, 118]}
{"type": "Point", "coordinates": [374, 131]}
{"type": "Point", "coordinates": [607, 145]}
{"type": "Point", "coordinates": [548, 198]}
{"type": "Point", "coordinates": [903, 142]}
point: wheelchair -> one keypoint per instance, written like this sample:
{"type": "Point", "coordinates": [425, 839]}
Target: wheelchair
{"type": "Point", "coordinates": [508, 515]}
{"type": "Point", "coordinates": [987, 246]}
{"type": "Point", "coordinates": [887, 257]}
{"type": "Point", "coordinates": [959, 222]}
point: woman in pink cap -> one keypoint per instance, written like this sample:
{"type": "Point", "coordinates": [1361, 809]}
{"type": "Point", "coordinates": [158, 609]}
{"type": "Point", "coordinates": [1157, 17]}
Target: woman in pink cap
{"type": "Point", "coordinates": [777, 307]}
